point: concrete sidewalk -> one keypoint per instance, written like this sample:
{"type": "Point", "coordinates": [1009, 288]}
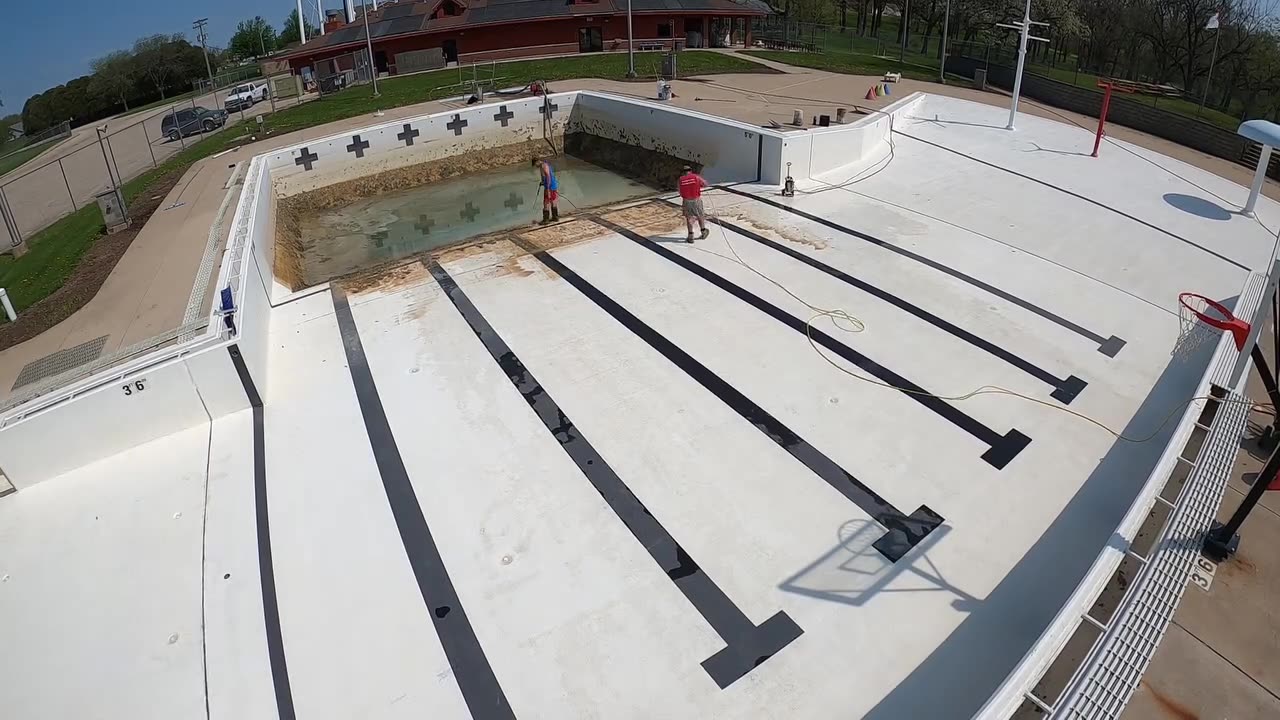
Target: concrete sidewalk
{"type": "Point", "coordinates": [1219, 657]}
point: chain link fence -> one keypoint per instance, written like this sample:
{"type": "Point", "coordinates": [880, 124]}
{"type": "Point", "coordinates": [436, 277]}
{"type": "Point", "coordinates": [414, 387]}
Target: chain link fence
{"type": "Point", "coordinates": [43, 191]}
{"type": "Point", "coordinates": [338, 73]}
{"type": "Point", "coordinates": [26, 143]}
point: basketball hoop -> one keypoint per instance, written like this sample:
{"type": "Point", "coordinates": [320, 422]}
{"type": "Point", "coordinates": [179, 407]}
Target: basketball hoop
{"type": "Point", "coordinates": [1200, 318]}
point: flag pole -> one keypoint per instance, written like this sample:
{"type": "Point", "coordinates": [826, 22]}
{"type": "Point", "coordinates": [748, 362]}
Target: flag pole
{"type": "Point", "coordinates": [1213, 59]}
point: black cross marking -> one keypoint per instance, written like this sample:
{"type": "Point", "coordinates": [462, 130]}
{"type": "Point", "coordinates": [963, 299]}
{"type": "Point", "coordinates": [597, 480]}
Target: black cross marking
{"type": "Point", "coordinates": [358, 146]}
{"type": "Point", "coordinates": [408, 135]}
{"type": "Point", "coordinates": [503, 115]}
{"type": "Point", "coordinates": [469, 212]}
{"type": "Point", "coordinates": [379, 238]}
{"type": "Point", "coordinates": [513, 201]}
{"type": "Point", "coordinates": [549, 109]}
{"type": "Point", "coordinates": [456, 124]}
{"type": "Point", "coordinates": [424, 224]}
{"type": "Point", "coordinates": [306, 159]}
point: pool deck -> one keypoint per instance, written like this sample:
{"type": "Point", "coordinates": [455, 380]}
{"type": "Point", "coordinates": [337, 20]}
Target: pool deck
{"type": "Point", "coordinates": [593, 471]}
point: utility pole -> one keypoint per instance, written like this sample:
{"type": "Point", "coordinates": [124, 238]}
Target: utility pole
{"type": "Point", "coordinates": [906, 13]}
{"type": "Point", "coordinates": [199, 26]}
{"type": "Point", "coordinates": [631, 45]}
{"type": "Point", "coordinates": [946, 26]}
{"type": "Point", "coordinates": [368, 41]}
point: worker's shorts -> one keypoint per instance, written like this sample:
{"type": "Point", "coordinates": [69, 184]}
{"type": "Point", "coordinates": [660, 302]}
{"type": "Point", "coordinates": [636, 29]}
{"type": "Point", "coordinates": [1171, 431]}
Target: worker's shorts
{"type": "Point", "coordinates": [693, 209]}
{"type": "Point", "coordinates": [549, 197]}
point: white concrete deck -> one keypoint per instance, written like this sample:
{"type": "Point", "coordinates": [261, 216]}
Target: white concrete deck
{"type": "Point", "coordinates": [561, 488]}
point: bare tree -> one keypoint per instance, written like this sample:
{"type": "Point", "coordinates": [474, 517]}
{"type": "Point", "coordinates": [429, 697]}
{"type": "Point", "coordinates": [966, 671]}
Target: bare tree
{"type": "Point", "coordinates": [158, 56]}
{"type": "Point", "coordinates": [113, 76]}
{"type": "Point", "coordinates": [1182, 43]}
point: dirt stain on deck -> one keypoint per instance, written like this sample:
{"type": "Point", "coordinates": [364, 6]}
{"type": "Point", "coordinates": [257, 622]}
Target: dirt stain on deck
{"type": "Point", "coordinates": [1168, 706]}
{"type": "Point", "coordinates": [786, 233]}
{"type": "Point", "coordinates": [388, 280]}
{"type": "Point", "coordinates": [571, 231]}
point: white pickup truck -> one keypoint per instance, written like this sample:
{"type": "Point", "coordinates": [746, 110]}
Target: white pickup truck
{"type": "Point", "coordinates": [244, 96]}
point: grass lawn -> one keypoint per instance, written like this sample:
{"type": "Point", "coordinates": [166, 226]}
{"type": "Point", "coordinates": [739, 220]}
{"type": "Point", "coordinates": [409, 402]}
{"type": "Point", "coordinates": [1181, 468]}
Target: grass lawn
{"type": "Point", "coordinates": [51, 257]}
{"type": "Point", "coordinates": [850, 64]}
{"type": "Point", "coordinates": [158, 103]}
{"type": "Point", "coordinates": [410, 89]}
{"type": "Point", "coordinates": [9, 162]}
{"type": "Point", "coordinates": [54, 251]}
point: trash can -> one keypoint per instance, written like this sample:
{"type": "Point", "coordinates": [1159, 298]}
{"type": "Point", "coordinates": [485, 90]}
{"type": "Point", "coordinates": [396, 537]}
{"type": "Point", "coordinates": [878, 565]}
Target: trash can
{"type": "Point", "coordinates": [669, 66]}
{"type": "Point", "coordinates": [980, 78]}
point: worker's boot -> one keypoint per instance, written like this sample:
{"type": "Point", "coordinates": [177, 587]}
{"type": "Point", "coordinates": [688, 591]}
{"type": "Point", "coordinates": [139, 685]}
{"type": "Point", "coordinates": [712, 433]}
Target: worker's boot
{"type": "Point", "coordinates": [689, 238]}
{"type": "Point", "coordinates": [705, 232]}
{"type": "Point", "coordinates": [546, 216]}
{"type": "Point", "coordinates": [555, 213]}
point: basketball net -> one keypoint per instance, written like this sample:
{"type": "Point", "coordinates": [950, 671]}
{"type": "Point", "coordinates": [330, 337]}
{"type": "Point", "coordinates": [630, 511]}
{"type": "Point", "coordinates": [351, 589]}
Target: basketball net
{"type": "Point", "coordinates": [1200, 319]}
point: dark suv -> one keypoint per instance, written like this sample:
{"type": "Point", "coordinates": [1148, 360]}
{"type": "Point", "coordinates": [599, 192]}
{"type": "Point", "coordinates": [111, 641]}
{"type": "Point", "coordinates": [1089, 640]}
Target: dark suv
{"type": "Point", "coordinates": [192, 120]}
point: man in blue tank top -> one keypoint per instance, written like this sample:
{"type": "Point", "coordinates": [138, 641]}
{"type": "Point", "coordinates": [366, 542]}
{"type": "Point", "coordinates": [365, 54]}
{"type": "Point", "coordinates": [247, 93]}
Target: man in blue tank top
{"type": "Point", "coordinates": [550, 190]}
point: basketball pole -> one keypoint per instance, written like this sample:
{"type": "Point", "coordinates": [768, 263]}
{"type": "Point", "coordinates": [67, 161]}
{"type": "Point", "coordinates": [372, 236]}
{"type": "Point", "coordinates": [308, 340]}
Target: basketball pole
{"type": "Point", "coordinates": [1224, 540]}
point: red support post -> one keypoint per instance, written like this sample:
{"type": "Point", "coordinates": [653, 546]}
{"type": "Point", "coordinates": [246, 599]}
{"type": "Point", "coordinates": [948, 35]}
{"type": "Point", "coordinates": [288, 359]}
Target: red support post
{"type": "Point", "coordinates": [1102, 117]}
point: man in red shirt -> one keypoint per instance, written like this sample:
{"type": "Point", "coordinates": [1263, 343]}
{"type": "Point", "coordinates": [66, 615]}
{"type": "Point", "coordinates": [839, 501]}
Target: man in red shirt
{"type": "Point", "coordinates": [691, 184]}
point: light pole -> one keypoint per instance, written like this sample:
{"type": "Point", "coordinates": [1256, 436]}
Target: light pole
{"type": "Point", "coordinates": [199, 28]}
{"type": "Point", "coordinates": [368, 41]}
{"type": "Point", "coordinates": [946, 26]}
{"type": "Point", "coordinates": [302, 25]}
{"type": "Point", "coordinates": [1217, 33]}
{"type": "Point", "coordinates": [631, 45]}
{"type": "Point", "coordinates": [906, 13]}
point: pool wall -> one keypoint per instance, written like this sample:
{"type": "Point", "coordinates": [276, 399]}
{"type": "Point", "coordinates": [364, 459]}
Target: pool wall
{"type": "Point", "coordinates": [411, 141]}
{"type": "Point", "coordinates": [221, 371]}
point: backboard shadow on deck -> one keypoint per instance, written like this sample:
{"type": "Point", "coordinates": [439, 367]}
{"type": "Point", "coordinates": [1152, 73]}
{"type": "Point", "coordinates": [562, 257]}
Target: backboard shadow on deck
{"type": "Point", "coordinates": [962, 673]}
{"type": "Point", "coordinates": [853, 571]}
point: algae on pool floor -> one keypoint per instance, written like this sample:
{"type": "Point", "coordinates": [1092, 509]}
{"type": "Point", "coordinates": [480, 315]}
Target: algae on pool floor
{"type": "Point", "coordinates": [388, 227]}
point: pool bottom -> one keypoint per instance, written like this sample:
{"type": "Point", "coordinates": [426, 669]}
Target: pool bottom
{"type": "Point", "coordinates": [388, 227]}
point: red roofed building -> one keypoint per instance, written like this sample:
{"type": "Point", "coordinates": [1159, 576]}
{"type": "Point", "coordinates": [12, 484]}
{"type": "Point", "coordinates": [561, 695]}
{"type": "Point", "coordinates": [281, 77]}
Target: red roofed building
{"type": "Point", "coordinates": [406, 34]}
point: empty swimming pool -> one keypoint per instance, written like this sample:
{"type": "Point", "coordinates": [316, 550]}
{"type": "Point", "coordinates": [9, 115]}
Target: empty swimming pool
{"type": "Point", "coordinates": [370, 231]}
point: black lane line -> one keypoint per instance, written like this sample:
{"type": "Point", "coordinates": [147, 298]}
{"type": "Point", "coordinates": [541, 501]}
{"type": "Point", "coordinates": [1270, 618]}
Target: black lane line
{"type": "Point", "coordinates": [1078, 196]}
{"type": "Point", "coordinates": [479, 686]}
{"type": "Point", "coordinates": [1001, 449]}
{"type": "Point", "coordinates": [1064, 389]}
{"type": "Point", "coordinates": [1107, 346]}
{"type": "Point", "coordinates": [746, 645]}
{"type": "Point", "coordinates": [902, 532]}
{"type": "Point", "coordinates": [266, 568]}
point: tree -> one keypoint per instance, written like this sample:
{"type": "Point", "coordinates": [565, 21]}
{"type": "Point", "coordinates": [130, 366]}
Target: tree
{"type": "Point", "coordinates": [1181, 42]}
{"type": "Point", "coordinates": [289, 33]}
{"type": "Point", "coordinates": [252, 38]}
{"type": "Point", "coordinates": [1258, 73]}
{"type": "Point", "coordinates": [113, 76]}
{"type": "Point", "coordinates": [158, 56]}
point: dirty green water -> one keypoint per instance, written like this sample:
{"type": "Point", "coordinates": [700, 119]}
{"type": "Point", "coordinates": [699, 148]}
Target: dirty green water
{"type": "Point", "coordinates": [395, 225]}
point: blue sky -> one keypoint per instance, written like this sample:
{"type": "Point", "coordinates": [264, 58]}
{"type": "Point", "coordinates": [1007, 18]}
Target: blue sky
{"type": "Point", "coordinates": [47, 44]}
